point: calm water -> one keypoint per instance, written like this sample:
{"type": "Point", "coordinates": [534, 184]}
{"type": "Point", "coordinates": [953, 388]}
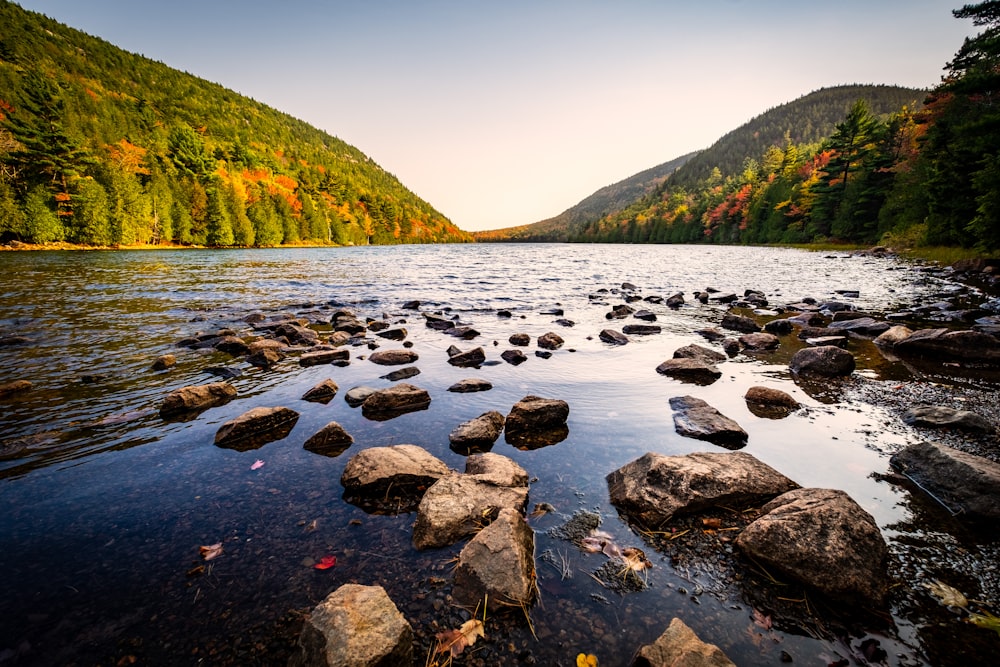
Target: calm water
{"type": "Point", "coordinates": [105, 504]}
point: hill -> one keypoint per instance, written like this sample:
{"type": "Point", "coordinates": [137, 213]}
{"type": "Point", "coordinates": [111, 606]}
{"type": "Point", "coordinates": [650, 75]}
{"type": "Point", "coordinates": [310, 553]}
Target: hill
{"type": "Point", "coordinates": [104, 147]}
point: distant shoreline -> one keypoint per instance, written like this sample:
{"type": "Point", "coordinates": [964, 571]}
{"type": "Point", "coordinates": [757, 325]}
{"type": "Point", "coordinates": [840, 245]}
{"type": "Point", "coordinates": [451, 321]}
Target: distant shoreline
{"type": "Point", "coordinates": [17, 246]}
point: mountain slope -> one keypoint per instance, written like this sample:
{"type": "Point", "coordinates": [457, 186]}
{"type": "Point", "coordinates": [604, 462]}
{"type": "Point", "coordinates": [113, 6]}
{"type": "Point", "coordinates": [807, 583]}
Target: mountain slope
{"type": "Point", "coordinates": [105, 147]}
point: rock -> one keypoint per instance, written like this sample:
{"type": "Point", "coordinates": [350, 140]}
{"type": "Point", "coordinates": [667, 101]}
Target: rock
{"type": "Point", "coordinates": [232, 345]}
{"type": "Point", "coordinates": [550, 341]}
{"type": "Point", "coordinates": [401, 374]}
{"type": "Point", "coordinates": [966, 484]}
{"type": "Point", "coordinates": [725, 298]}
{"type": "Point", "coordinates": [469, 359]}
{"type": "Point", "coordinates": [675, 301]}
{"type": "Point", "coordinates": [393, 357]}
{"type": "Point", "coordinates": [779, 327]}
{"type": "Point", "coordinates": [835, 306]}
{"type": "Point", "coordinates": [836, 341]}
{"type": "Point", "coordinates": [543, 354]}
{"type": "Point", "coordinates": [521, 339]}
{"type": "Point", "coordinates": [398, 399]}
{"type": "Point", "coordinates": [619, 312]}
{"type": "Point", "coordinates": [504, 313]}
{"type": "Point", "coordinates": [379, 325]}
{"type": "Point", "coordinates": [406, 469]}
{"type": "Point", "coordinates": [470, 385]}
{"type": "Point", "coordinates": [338, 338]}
{"type": "Point", "coordinates": [694, 418]}
{"type": "Point", "coordinates": [196, 398]}
{"type": "Point", "coordinates": [862, 326]}
{"type": "Point", "coordinates": [613, 337]}
{"type": "Point", "coordinates": [826, 360]}
{"type": "Point", "coordinates": [164, 362]}
{"type": "Point", "coordinates": [679, 646]}
{"type": "Point", "coordinates": [456, 506]}
{"type": "Point", "coordinates": [224, 372]}
{"type": "Point", "coordinates": [891, 336]}
{"type": "Point", "coordinates": [513, 357]}
{"type": "Point", "coordinates": [265, 358]}
{"type": "Point", "coordinates": [759, 341]}
{"type": "Point", "coordinates": [411, 305]}
{"type": "Point", "coordinates": [943, 344]}
{"type": "Point", "coordinates": [8, 341]}
{"type": "Point", "coordinates": [739, 323]}
{"type": "Point", "coordinates": [321, 357]}
{"type": "Point", "coordinates": [477, 434]}
{"type": "Point", "coordinates": [296, 334]}
{"type": "Point", "coordinates": [497, 566]}
{"type": "Point", "coordinates": [465, 333]}
{"type": "Point", "coordinates": [731, 346]}
{"type": "Point", "coordinates": [770, 403]}
{"type": "Point", "coordinates": [15, 387]}
{"type": "Point", "coordinates": [711, 335]}
{"type": "Point", "coordinates": [356, 396]}
{"type": "Point", "coordinates": [349, 325]}
{"type": "Point", "coordinates": [255, 428]}
{"type": "Point", "coordinates": [697, 371]}
{"type": "Point", "coordinates": [645, 316]}
{"type": "Point", "coordinates": [655, 487]}
{"type": "Point", "coordinates": [533, 413]}
{"type": "Point", "coordinates": [322, 392]}
{"type": "Point", "coordinates": [698, 352]}
{"type": "Point", "coordinates": [355, 626]}
{"type": "Point", "coordinates": [438, 323]}
{"type": "Point", "coordinates": [331, 440]}
{"type": "Point", "coordinates": [824, 539]}
{"type": "Point", "coordinates": [641, 329]}
{"type": "Point", "coordinates": [932, 416]}
{"type": "Point", "coordinates": [392, 334]}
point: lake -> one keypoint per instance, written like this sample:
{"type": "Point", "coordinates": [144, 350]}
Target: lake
{"type": "Point", "coordinates": [105, 504]}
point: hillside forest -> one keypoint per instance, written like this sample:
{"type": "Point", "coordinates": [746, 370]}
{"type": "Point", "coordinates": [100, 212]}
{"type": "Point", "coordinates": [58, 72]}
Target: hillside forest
{"type": "Point", "coordinates": [106, 148]}
{"type": "Point", "coordinates": [923, 175]}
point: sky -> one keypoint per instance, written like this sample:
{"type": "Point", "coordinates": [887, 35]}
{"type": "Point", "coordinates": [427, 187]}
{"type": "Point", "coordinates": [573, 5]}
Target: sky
{"type": "Point", "coordinates": [503, 113]}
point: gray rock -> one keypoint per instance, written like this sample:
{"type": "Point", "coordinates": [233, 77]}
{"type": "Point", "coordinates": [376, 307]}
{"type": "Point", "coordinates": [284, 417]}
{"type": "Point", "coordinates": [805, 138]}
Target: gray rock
{"type": "Point", "coordinates": [964, 483]}
{"type": "Point", "coordinates": [438, 323]}
{"type": "Point", "coordinates": [649, 316]}
{"type": "Point", "coordinates": [694, 418]}
{"type": "Point", "coordinates": [321, 357]}
{"type": "Point", "coordinates": [698, 352]}
{"type": "Point", "coordinates": [355, 626]}
{"type": "Point", "coordinates": [468, 359]}
{"type": "Point", "coordinates": [710, 334]}
{"type": "Point", "coordinates": [256, 427]}
{"type": "Point", "coordinates": [936, 416]}
{"type": "Point", "coordinates": [820, 341]}
{"type": "Point", "coordinates": [322, 392]}
{"type": "Point", "coordinates": [331, 440]}
{"type": "Point", "coordinates": [196, 398]}
{"type": "Point", "coordinates": [619, 312]}
{"type": "Point", "coordinates": [550, 341]}
{"type": "Point", "coordinates": [496, 469]}
{"type": "Point", "coordinates": [395, 400]}
{"type": "Point", "coordinates": [655, 487]}
{"type": "Point", "coordinates": [480, 432]}
{"type": "Point", "coordinates": [863, 326]}
{"type": "Point", "coordinates": [613, 337]}
{"type": "Point", "coordinates": [697, 371]}
{"type": "Point", "coordinates": [497, 566]}
{"type": "Point", "coordinates": [739, 323]}
{"type": "Point", "coordinates": [679, 646]}
{"type": "Point", "coordinates": [393, 357]}
{"type": "Point", "coordinates": [759, 341]}
{"type": "Point", "coordinates": [945, 345]}
{"type": "Point", "coordinates": [824, 539]}
{"type": "Point", "coordinates": [825, 360]}
{"type": "Point", "coordinates": [407, 469]}
{"type": "Point", "coordinates": [356, 396]}
{"type": "Point", "coordinates": [470, 385]}
{"type": "Point", "coordinates": [534, 413]}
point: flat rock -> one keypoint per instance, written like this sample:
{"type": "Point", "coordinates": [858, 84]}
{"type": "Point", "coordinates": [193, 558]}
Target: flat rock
{"type": "Point", "coordinates": [321, 357]}
{"type": "Point", "coordinates": [655, 487]}
{"type": "Point", "coordinates": [759, 341]}
{"type": "Point", "coordinates": [825, 360]}
{"type": "Point", "coordinates": [823, 539]}
{"type": "Point", "coordinates": [393, 357]}
{"type": "Point", "coordinates": [256, 427]}
{"type": "Point", "coordinates": [694, 418]}
{"type": "Point", "coordinates": [331, 440]}
{"type": "Point", "coordinates": [470, 385]}
{"type": "Point", "coordinates": [322, 392]}
{"type": "Point", "coordinates": [477, 434]}
{"type": "Point", "coordinates": [356, 396]}
{"type": "Point", "coordinates": [697, 371]}
{"type": "Point", "coordinates": [196, 398]}
{"type": "Point", "coordinates": [820, 341]}
{"type": "Point", "coordinates": [862, 326]}
{"type": "Point", "coordinates": [939, 416]}
{"type": "Point", "coordinates": [550, 341]}
{"type": "Point", "coordinates": [407, 469]}
{"type": "Point", "coordinates": [641, 329]}
{"type": "Point", "coordinates": [945, 345]}
{"type": "Point", "coordinates": [679, 646]}
{"type": "Point", "coordinates": [735, 322]}
{"type": "Point", "coordinates": [966, 484]}
{"type": "Point", "coordinates": [534, 413]}
{"type": "Point", "coordinates": [693, 351]}
{"type": "Point", "coordinates": [497, 566]}
{"type": "Point", "coordinates": [394, 401]}
{"type": "Point", "coordinates": [355, 626]}
{"type": "Point", "coordinates": [613, 337]}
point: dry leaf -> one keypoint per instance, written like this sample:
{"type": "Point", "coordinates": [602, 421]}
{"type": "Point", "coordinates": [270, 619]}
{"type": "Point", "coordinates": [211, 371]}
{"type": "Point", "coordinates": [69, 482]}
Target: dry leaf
{"type": "Point", "coordinates": [635, 559]}
{"type": "Point", "coordinates": [258, 464]}
{"type": "Point", "coordinates": [712, 523]}
{"type": "Point", "coordinates": [326, 562]}
{"type": "Point", "coordinates": [456, 641]}
{"type": "Point", "coordinates": [586, 660]}
{"type": "Point", "coordinates": [947, 595]}
{"type": "Point", "coordinates": [762, 619]}
{"type": "Point", "coordinates": [211, 551]}
{"type": "Point", "coordinates": [311, 526]}
{"type": "Point", "coordinates": [986, 620]}
{"type": "Point", "coordinates": [592, 544]}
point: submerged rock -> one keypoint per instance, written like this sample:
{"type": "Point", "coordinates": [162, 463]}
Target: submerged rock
{"type": "Point", "coordinates": [694, 418]}
{"type": "Point", "coordinates": [470, 385]}
{"type": "Point", "coordinates": [942, 344]}
{"type": "Point", "coordinates": [679, 646]}
{"type": "Point", "coordinates": [356, 396]}
{"type": "Point", "coordinates": [15, 387]}
{"type": "Point", "coordinates": [965, 484]}
{"type": "Point", "coordinates": [256, 427]}
{"type": "Point", "coordinates": [497, 566]}
{"type": "Point", "coordinates": [196, 398]}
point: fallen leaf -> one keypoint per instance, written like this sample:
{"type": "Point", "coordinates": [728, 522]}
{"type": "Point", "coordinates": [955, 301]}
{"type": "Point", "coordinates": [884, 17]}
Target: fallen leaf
{"type": "Point", "coordinates": [592, 544]}
{"type": "Point", "coordinates": [211, 551]}
{"type": "Point", "coordinates": [541, 509]}
{"type": "Point", "coordinates": [311, 526]}
{"type": "Point", "coordinates": [635, 559]}
{"type": "Point", "coordinates": [611, 550]}
{"type": "Point", "coordinates": [712, 523]}
{"type": "Point", "coordinates": [762, 619]}
{"type": "Point", "coordinates": [946, 595]}
{"type": "Point", "coordinates": [456, 641]}
{"type": "Point", "coordinates": [257, 465]}
{"type": "Point", "coordinates": [586, 660]}
{"type": "Point", "coordinates": [986, 620]}
{"type": "Point", "coordinates": [195, 571]}
{"type": "Point", "coordinates": [326, 562]}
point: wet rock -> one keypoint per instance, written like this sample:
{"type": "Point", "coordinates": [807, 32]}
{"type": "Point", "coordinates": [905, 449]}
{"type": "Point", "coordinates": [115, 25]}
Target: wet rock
{"type": "Point", "coordinates": [543, 354]}
{"type": "Point", "coordinates": [14, 387]}
{"type": "Point", "coordinates": [825, 360]}
{"type": "Point", "coordinates": [697, 371]}
{"type": "Point", "coordinates": [513, 357]}
{"type": "Point", "coordinates": [392, 334]}
{"type": "Point", "coordinates": [470, 385]}
{"type": "Point", "coordinates": [196, 398]}
{"type": "Point", "coordinates": [563, 322]}
{"type": "Point", "coordinates": [356, 396]}
{"type": "Point", "coordinates": [348, 324]}
{"type": "Point", "coordinates": [411, 305]}
{"type": "Point", "coordinates": [322, 357]}
{"type": "Point", "coordinates": [521, 339]}
{"type": "Point", "coordinates": [438, 323]}
{"type": "Point", "coordinates": [338, 338]}
{"type": "Point", "coordinates": [820, 341]}
{"type": "Point", "coordinates": [465, 333]}
{"type": "Point", "coordinates": [613, 337]}
{"type": "Point", "coordinates": [396, 400]}
{"type": "Point", "coordinates": [477, 434]}
{"type": "Point", "coordinates": [823, 539]}
{"type": "Point", "coordinates": [731, 346]}
{"type": "Point", "coordinates": [619, 312]}
{"type": "Point", "coordinates": [759, 341]}
{"type": "Point", "coordinates": [779, 327]}
{"type": "Point", "coordinates": [232, 345]}
{"type": "Point", "coordinates": [534, 413]}
{"type": "Point", "coordinates": [393, 357]}
{"type": "Point", "coordinates": [407, 469]}
{"type": "Point", "coordinates": [163, 362]}
{"type": "Point", "coordinates": [675, 301]}
{"type": "Point", "coordinates": [504, 313]}
{"type": "Point", "coordinates": [725, 298]}
{"type": "Point", "coordinates": [457, 505]}
{"type": "Point", "coordinates": [266, 344]}
{"type": "Point", "coordinates": [835, 306]}
{"type": "Point", "coordinates": [942, 344]}
{"type": "Point", "coordinates": [679, 646]}
{"type": "Point", "coordinates": [710, 334]}
{"type": "Point", "coordinates": [331, 440]}
{"type": "Point", "coordinates": [322, 392]}
{"type": "Point", "coordinates": [645, 316]}
{"type": "Point", "coordinates": [641, 329]}
{"type": "Point", "coordinates": [966, 484]}
{"type": "Point", "coordinates": [654, 487]}
{"type": "Point", "coordinates": [380, 325]}
{"type": "Point", "coordinates": [770, 403]}
{"type": "Point", "coordinates": [863, 326]}
{"type": "Point", "coordinates": [401, 374]}
{"type": "Point", "coordinates": [469, 359]}
{"type": "Point", "coordinates": [224, 372]}
{"type": "Point", "coordinates": [694, 418]}
{"type": "Point", "coordinates": [698, 352]}
{"type": "Point", "coordinates": [497, 566]}
{"type": "Point", "coordinates": [296, 334]}
{"type": "Point", "coordinates": [355, 626]}
{"type": "Point", "coordinates": [550, 341]}
{"type": "Point", "coordinates": [256, 427]}
{"type": "Point", "coordinates": [890, 337]}
{"type": "Point", "coordinates": [939, 416]}
{"type": "Point", "coordinates": [735, 322]}
{"type": "Point", "coordinates": [9, 341]}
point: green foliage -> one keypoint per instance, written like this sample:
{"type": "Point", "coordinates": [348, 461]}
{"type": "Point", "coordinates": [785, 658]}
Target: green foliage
{"type": "Point", "coordinates": [179, 159]}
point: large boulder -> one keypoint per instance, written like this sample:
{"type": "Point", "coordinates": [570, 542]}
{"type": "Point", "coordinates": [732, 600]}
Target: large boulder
{"type": "Point", "coordinates": [939, 416]}
{"type": "Point", "coordinates": [825, 360]}
{"type": "Point", "coordinates": [394, 401]}
{"type": "Point", "coordinates": [477, 434]}
{"type": "Point", "coordinates": [694, 418]}
{"type": "Point", "coordinates": [679, 646]}
{"type": "Point", "coordinates": [966, 484]}
{"type": "Point", "coordinates": [256, 428]}
{"type": "Point", "coordinates": [407, 469]}
{"type": "Point", "coordinates": [393, 357]}
{"type": "Point", "coordinates": [823, 539]}
{"type": "Point", "coordinates": [196, 398]}
{"type": "Point", "coordinates": [697, 371]}
{"type": "Point", "coordinates": [497, 566]}
{"type": "Point", "coordinates": [945, 345]}
{"type": "Point", "coordinates": [355, 626]}
{"type": "Point", "coordinates": [654, 487]}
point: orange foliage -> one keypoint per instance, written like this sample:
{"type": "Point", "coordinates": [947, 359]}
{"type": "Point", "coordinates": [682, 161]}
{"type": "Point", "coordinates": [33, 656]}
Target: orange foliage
{"type": "Point", "coordinates": [256, 175]}
{"type": "Point", "coordinates": [91, 94]}
{"type": "Point", "coordinates": [286, 182]}
{"type": "Point", "coordinates": [129, 157]}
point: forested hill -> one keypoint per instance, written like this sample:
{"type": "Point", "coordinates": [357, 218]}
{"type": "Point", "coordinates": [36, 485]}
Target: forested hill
{"type": "Point", "coordinates": [103, 147]}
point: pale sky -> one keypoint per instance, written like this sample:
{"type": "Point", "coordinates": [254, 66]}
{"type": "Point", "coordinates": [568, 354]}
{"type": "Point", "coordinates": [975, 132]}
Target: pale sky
{"type": "Point", "coordinates": [509, 112]}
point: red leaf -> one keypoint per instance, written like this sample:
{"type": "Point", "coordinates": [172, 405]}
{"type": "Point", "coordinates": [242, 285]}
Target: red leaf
{"type": "Point", "coordinates": [326, 562]}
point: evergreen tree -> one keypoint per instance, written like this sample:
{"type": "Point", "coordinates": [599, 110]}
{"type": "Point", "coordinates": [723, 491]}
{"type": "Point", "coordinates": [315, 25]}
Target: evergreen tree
{"type": "Point", "coordinates": [41, 224]}
{"type": "Point", "coordinates": [90, 215]}
{"type": "Point", "coordinates": [219, 226]}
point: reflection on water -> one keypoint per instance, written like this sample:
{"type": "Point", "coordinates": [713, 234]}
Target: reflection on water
{"type": "Point", "coordinates": [106, 503]}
